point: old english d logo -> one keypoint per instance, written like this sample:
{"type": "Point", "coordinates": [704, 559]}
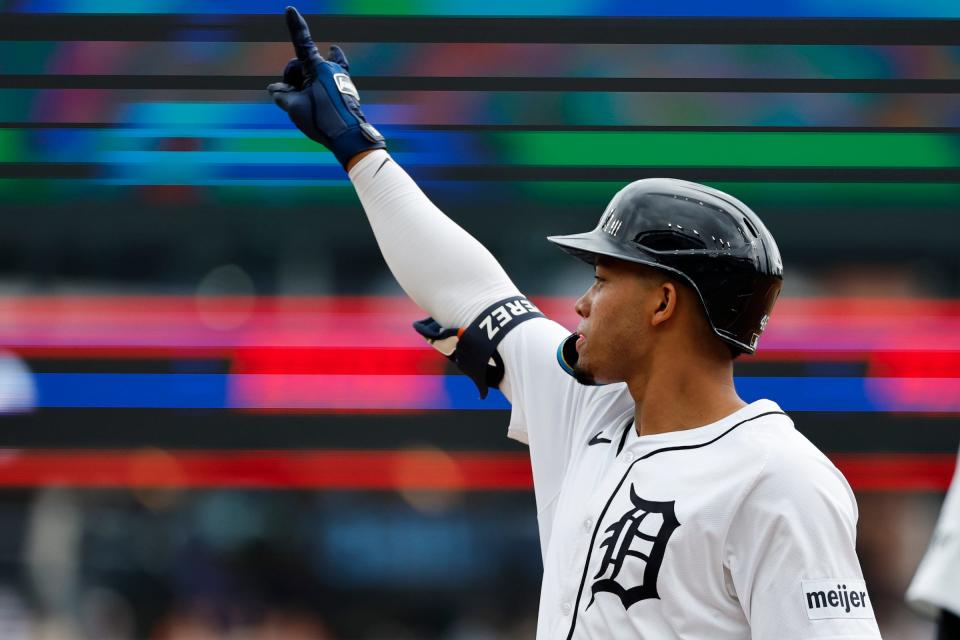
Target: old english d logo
{"type": "Point", "coordinates": [639, 537]}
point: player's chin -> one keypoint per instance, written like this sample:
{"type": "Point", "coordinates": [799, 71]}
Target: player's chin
{"type": "Point", "coordinates": [587, 371]}
{"type": "Point", "coordinates": [583, 375]}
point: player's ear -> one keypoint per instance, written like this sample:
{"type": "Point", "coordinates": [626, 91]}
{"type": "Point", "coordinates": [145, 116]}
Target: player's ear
{"type": "Point", "coordinates": [665, 301]}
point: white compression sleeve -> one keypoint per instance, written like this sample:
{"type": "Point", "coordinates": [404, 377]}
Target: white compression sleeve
{"type": "Point", "coordinates": [444, 269]}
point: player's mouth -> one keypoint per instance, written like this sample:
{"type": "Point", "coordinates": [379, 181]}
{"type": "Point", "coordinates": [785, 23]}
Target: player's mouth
{"type": "Point", "coordinates": [580, 340]}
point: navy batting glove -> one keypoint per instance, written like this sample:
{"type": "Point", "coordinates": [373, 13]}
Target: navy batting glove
{"type": "Point", "coordinates": [320, 98]}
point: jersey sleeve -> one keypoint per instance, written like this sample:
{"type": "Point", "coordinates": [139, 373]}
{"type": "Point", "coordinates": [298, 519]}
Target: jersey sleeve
{"type": "Point", "coordinates": [444, 269]}
{"type": "Point", "coordinates": [548, 405]}
{"type": "Point", "coordinates": [790, 554]}
{"type": "Point", "coordinates": [936, 585]}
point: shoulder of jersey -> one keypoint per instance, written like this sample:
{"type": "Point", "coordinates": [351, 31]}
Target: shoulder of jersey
{"type": "Point", "coordinates": [789, 456]}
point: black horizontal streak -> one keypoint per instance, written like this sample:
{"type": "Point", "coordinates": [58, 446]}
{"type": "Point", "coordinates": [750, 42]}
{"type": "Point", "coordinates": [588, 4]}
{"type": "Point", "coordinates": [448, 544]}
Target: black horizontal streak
{"type": "Point", "coordinates": [500, 84]}
{"type": "Point", "coordinates": [455, 430]}
{"type": "Point", "coordinates": [219, 429]}
{"type": "Point", "coordinates": [414, 29]}
{"type": "Point", "coordinates": [48, 170]}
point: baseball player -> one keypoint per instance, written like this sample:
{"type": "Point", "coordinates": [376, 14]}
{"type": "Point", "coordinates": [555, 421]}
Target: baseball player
{"type": "Point", "coordinates": [935, 590]}
{"type": "Point", "coordinates": [668, 507]}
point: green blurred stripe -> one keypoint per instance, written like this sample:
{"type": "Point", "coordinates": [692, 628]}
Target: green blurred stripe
{"type": "Point", "coordinates": [11, 146]}
{"type": "Point", "coordinates": [728, 149]}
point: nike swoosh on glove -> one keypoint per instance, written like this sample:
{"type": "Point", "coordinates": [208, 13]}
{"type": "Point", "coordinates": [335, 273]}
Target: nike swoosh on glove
{"type": "Point", "coordinates": [320, 98]}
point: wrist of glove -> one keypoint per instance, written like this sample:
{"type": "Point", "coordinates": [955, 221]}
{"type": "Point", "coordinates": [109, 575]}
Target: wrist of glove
{"type": "Point", "coordinates": [321, 99]}
{"type": "Point", "coordinates": [483, 366]}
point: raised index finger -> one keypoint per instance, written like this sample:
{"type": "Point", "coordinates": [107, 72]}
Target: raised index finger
{"type": "Point", "coordinates": [303, 44]}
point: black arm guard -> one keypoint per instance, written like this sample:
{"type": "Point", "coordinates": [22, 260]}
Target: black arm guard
{"type": "Point", "coordinates": [949, 626]}
{"type": "Point", "coordinates": [474, 349]}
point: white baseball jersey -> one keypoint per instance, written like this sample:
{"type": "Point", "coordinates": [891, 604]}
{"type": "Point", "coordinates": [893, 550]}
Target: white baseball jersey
{"type": "Point", "coordinates": [734, 530]}
{"type": "Point", "coordinates": [936, 585]}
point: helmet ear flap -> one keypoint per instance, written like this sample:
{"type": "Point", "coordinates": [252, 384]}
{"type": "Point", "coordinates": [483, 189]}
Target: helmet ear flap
{"type": "Point", "coordinates": [567, 357]}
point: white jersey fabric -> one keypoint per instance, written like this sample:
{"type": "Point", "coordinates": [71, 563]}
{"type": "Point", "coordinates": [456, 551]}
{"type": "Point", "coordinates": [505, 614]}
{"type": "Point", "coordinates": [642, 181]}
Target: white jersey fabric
{"type": "Point", "coordinates": [936, 585]}
{"type": "Point", "coordinates": [738, 529]}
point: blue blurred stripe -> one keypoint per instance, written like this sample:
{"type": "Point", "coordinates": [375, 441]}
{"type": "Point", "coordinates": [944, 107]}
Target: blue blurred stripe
{"type": "Point", "coordinates": [131, 390]}
{"type": "Point", "coordinates": [205, 114]}
{"type": "Point", "coordinates": [132, 152]}
{"type": "Point", "coordinates": [810, 393]}
{"type": "Point", "coordinates": [210, 391]}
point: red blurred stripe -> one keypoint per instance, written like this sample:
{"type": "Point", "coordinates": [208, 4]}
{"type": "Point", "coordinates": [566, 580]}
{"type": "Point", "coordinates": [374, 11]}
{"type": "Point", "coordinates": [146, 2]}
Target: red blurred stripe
{"type": "Point", "coordinates": [374, 470]}
{"type": "Point", "coordinates": [897, 472]}
{"type": "Point", "coordinates": [914, 364]}
{"type": "Point", "coordinates": [337, 360]}
{"type": "Point", "coordinates": [83, 352]}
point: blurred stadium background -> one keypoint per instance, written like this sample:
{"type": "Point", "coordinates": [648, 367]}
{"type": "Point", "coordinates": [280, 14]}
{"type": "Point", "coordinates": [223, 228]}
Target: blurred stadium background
{"type": "Point", "coordinates": [217, 422]}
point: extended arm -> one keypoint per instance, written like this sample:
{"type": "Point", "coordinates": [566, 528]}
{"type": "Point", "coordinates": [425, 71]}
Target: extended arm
{"type": "Point", "coordinates": [440, 266]}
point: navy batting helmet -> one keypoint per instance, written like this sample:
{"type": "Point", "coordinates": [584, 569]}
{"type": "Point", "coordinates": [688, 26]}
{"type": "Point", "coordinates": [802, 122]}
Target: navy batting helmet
{"type": "Point", "coordinates": [704, 237]}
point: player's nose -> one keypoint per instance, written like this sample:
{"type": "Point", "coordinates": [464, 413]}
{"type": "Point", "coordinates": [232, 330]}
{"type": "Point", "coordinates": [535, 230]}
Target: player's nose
{"type": "Point", "coordinates": [582, 306]}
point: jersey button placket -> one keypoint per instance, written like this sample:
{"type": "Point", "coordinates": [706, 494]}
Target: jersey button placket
{"type": "Point", "coordinates": [628, 457]}
{"type": "Point", "coordinates": [566, 608]}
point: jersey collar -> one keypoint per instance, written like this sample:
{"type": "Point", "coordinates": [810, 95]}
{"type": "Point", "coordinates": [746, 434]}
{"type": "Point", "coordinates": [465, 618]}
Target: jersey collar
{"type": "Point", "coordinates": [706, 431]}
